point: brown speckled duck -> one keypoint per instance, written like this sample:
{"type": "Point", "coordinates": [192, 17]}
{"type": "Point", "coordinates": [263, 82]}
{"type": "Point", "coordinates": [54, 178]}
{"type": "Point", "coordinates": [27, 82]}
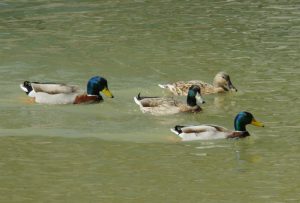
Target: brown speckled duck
{"type": "Point", "coordinates": [222, 83]}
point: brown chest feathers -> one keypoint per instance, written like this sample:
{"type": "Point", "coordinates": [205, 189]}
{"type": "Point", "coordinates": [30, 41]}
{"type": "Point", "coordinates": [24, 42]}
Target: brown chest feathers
{"type": "Point", "coordinates": [85, 99]}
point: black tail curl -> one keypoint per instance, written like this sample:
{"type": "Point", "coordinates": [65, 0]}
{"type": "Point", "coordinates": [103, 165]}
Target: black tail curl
{"type": "Point", "coordinates": [178, 128]}
{"type": "Point", "coordinates": [139, 97]}
{"type": "Point", "coordinates": [28, 86]}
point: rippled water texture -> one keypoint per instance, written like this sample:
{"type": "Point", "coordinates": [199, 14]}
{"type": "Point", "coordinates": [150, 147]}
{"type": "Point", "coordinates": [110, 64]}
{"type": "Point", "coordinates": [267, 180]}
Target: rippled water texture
{"type": "Point", "coordinates": [111, 152]}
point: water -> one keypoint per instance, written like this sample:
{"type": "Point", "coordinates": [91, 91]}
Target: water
{"type": "Point", "coordinates": [111, 152]}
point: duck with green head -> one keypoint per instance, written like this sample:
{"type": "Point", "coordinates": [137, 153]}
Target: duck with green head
{"type": "Point", "coordinates": [166, 106]}
{"type": "Point", "coordinates": [208, 131]}
{"type": "Point", "coordinates": [58, 93]}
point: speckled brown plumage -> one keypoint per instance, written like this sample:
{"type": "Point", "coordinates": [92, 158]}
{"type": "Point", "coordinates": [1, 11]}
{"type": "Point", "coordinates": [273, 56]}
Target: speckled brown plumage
{"type": "Point", "coordinates": [221, 83]}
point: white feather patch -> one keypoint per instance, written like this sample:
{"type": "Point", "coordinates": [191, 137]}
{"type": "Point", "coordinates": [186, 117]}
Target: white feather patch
{"type": "Point", "coordinates": [44, 98]}
{"type": "Point", "coordinates": [23, 88]}
{"type": "Point", "coordinates": [200, 132]}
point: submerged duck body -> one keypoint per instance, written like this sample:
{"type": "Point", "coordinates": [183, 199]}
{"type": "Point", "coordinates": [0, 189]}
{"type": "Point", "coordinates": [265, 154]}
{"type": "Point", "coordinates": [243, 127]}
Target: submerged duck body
{"type": "Point", "coordinates": [57, 93]}
{"type": "Point", "coordinates": [222, 83]}
{"type": "Point", "coordinates": [167, 106]}
{"type": "Point", "coordinates": [209, 132]}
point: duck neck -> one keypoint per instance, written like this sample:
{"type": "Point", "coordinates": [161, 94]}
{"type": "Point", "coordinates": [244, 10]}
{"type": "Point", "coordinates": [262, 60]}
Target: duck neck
{"type": "Point", "coordinates": [191, 101]}
{"type": "Point", "coordinates": [238, 134]}
{"type": "Point", "coordinates": [239, 125]}
{"type": "Point", "coordinates": [93, 90]}
{"type": "Point", "coordinates": [99, 97]}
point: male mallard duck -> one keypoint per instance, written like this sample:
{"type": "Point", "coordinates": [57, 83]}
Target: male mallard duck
{"type": "Point", "coordinates": [207, 132]}
{"type": "Point", "coordinates": [54, 93]}
{"type": "Point", "coordinates": [221, 83]}
{"type": "Point", "coordinates": [165, 106]}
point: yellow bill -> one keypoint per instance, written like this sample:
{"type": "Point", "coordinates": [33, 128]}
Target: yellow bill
{"type": "Point", "coordinates": [107, 93]}
{"type": "Point", "coordinates": [257, 123]}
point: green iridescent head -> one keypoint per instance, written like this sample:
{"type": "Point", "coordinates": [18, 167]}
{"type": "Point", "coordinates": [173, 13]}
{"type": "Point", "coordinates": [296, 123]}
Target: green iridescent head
{"type": "Point", "coordinates": [98, 84]}
{"type": "Point", "coordinates": [244, 118]}
{"type": "Point", "coordinates": [194, 96]}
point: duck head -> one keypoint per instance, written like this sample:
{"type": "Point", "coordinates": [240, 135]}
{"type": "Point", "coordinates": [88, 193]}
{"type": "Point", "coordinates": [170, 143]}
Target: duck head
{"type": "Point", "coordinates": [222, 80]}
{"type": "Point", "coordinates": [96, 85]}
{"type": "Point", "coordinates": [194, 96]}
{"type": "Point", "coordinates": [244, 118]}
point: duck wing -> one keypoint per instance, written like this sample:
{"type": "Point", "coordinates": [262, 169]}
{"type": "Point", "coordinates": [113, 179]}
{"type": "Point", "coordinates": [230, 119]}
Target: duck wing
{"type": "Point", "coordinates": [157, 105]}
{"type": "Point", "coordinates": [60, 98]}
{"type": "Point", "coordinates": [206, 88]}
{"type": "Point", "coordinates": [181, 88]}
{"type": "Point", "coordinates": [156, 102]}
{"type": "Point", "coordinates": [200, 132]}
{"type": "Point", "coordinates": [219, 128]}
{"type": "Point", "coordinates": [55, 88]}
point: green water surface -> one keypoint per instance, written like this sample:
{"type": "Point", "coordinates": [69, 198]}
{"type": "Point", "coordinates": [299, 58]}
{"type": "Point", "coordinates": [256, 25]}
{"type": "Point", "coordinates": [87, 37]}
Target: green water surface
{"type": "Point", "coordinates": [111, 152]}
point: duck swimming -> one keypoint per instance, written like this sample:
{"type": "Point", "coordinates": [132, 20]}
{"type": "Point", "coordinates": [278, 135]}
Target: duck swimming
{"type": "Point", "coordinates": [208, 132]}
{"type": "Point", "coordinates": [167, 106]}
{"type": "Point", "coordinates": [56, 93]}
{"type": "Point", "coordinates": [222, 83]}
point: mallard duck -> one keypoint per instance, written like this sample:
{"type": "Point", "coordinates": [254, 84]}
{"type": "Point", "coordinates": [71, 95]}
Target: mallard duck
{"type": "Point", "coordinates": [165, 106]}
{"type": "Point", "coordinates": [207, 132]}
{"type": "Point", "coordinates": [222, 83]}
{"type": "Point", "coordinates": [55, 93]}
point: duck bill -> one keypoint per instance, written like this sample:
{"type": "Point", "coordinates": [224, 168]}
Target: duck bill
{"type": "Point", "coordinates": [257, 123]}
{"type": "Point", "coordinates": [231, 87]}
{"type": "Point", "coordinates": [107, 93]}
{"type": "Point", "coordinates": [199, 99]}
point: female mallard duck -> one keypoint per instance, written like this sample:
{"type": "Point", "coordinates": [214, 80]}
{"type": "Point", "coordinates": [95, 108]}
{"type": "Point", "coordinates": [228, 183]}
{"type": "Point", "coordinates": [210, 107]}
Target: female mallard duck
{"type": "Point", "coordinates": [54, 93]}
{"type": "Point", "coordinates": [207, 132]}
{"type": "Point", "coordinates": [165, 106]}
{"type": "Point", "coordinates": [221, 83]}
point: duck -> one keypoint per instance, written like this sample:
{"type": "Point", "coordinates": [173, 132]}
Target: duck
{"type": "Point", "coordinates": [210, 131]}
{"type": "Point", "coordinates": [59, 93]}
{"type": "Point", "coordinates": [221, 83]}
{"type": "Point", "coordinates": [167, 106]}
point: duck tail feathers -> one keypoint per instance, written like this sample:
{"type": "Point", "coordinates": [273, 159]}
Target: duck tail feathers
{"type": "Point", "coordinates": [177, 129]}
{"type": "Point", "coordinates": [26, 87]}
{"type": "Point", "coordinates": [138, 99]}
